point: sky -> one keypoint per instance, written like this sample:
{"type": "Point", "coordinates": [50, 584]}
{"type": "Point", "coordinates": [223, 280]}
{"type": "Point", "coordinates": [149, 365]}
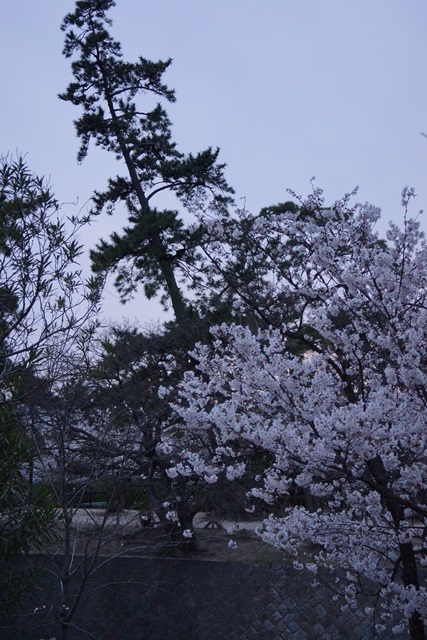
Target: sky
{"type": "Point", "coordinates": [288, 89]}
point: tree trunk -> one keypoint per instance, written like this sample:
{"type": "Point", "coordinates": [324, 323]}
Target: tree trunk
{"type": "Point", "coordinates": [409, 562]}
{"type": "Point", "coordinates": [188, 545]}
{"type": "Point", "coordinates": [410, 578]}
{"type": "Point", "coordinates": [64, 631]}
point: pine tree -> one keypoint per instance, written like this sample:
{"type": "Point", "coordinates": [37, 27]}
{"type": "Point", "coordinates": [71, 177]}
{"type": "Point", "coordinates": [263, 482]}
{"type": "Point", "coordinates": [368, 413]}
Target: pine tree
{"type": "Point", "coordinates": [156, 247]}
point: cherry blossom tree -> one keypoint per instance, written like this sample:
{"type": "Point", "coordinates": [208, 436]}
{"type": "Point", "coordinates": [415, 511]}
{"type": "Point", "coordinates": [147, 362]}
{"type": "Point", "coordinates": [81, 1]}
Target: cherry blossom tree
{"type": "Point", "coordinates": [330, 385]}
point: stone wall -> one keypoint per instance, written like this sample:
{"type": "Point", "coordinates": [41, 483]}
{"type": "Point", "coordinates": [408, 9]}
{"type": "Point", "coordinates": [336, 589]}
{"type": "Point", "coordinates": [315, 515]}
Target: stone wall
{"type": "Point", "coordinates": [179, 599]}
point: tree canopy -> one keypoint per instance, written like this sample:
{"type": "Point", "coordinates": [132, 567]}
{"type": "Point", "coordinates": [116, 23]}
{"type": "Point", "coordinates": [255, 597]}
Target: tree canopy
{"type": "Point", "coordinates": [344, 417]}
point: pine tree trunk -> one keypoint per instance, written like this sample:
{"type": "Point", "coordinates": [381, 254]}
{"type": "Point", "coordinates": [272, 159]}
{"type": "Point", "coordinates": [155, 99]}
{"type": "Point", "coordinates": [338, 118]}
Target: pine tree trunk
{"type": "Point", "coordinates": [165, 265]}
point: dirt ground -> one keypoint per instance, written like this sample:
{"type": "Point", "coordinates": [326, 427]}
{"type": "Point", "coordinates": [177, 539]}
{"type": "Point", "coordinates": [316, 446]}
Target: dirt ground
{"type": "Point", "coordinates": [126, 536]}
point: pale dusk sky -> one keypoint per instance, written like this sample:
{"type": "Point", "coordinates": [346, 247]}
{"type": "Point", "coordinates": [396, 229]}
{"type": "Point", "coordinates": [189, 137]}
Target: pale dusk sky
{"type": "Point", "coordinates": [288, 89]}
